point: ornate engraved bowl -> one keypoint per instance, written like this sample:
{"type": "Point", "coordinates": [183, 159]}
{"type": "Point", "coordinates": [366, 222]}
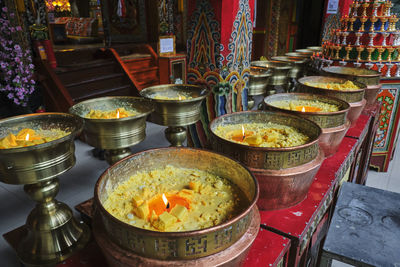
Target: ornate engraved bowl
{"type": "Point", "coordinates": [354, 97]}
{"type": "Point", "coordinates": [371, 78]}
{"type": "Point", "coordinates": [114, 135]}
{"type": "Point", "coordinates": [334, 125]}
{"type": "Point", "coordinates": [284, 174]}
{"type": "Point", "coordinates": [33, 164]}
{"type": "Point", "coordinates": [169, 112]}
{"type": "Point", "coordinates": [176, 245]}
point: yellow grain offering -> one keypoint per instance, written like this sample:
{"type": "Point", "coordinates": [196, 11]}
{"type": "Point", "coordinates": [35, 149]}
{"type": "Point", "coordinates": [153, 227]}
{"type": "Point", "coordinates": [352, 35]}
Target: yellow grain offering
{"type": "Point", "coordinates": [166, 96]}
{"type": "Point", "coordinates": [30, 137]}
{"type": "Point", "coordinates": [110, 114]}
{"type": "Point", "coordinates": [346, 86]}
{"type": "Point", "coordinates": [262, 134]}
{"type": "Point", "coordinates": [306, 106]}
{"type": "Point", "coordinates": [175, 199]}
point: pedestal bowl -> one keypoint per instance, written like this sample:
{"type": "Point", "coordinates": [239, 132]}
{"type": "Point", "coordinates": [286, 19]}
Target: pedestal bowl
{"type": "Point", "coordinates": [176, 106]}
{"type": "Point", "coordinates": [279, 76]}
{"type": "Point", "coordinates": [51, 233]}
{"type": "Point", "coordinates": [354, 97]}
{"type": "Point", "coordinates": [334, 124]}
{"type": "Point", "coordinates": [171, 246]}
{"type": "Point", "coordinates": [284, 173]}
{"type": "Point", "coordinates": [118, 134]}
{"type": "Point", "coordinates": [370, 78]}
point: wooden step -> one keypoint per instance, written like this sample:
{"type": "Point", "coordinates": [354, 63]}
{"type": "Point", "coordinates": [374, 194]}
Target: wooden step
{"type": "Point", "coordinates": [148, 84]}
{"type": "Point", "coordinates": [95, 79]}
{"type": "Point", "coordinates": [108, 83]}
{"type": "Point", "coordinates": [124, 90]}
{"type": "Point", "coordinates": [76, 76]}
{"type": "Point", "coordinates": [83, 65]}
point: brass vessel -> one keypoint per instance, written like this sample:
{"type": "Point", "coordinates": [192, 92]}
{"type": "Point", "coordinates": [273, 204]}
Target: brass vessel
{"type": "Point", "coordinates": [279, 76]}
{"type": "Point", "coordinates": [176, 114]}
{"type": "Point", "coordinates": [298, 54]}
{"type": "Point", "coordinates": [334, 125]}
{"type": "Point", "coordinates": [354, 97]}
{"type": "Point", "coordinates": [315, 49]}
{"type": "Point", "coordinates": [306, 52]}
{"type": "Point", "coordinates": [298, 65]}
{"type": "Point", "coordinates": [114, 135]}
{"type": "Point", "coordinates": [51, 232]}
{"type": "Point", "coordinates": [176, 245]}
{"type": "Point", "coordinates": [284, 174]}
{"type": "Point", "coordinates": [371, 78]}
{"type": "Point", "coordinates": [258, 81]}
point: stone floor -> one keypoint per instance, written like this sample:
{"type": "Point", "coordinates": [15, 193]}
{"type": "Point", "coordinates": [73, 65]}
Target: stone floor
{"type": "Point", "coordinates": [77, 185]}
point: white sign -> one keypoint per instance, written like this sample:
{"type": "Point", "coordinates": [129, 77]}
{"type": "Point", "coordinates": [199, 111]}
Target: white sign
{"type": "Point", "coordinates": [167, 45]}
{"type": "Point", "coordinates": [332, 7]}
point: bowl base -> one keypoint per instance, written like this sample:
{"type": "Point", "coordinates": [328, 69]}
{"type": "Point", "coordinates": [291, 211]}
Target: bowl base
{"type": "Point", "coordinates": [232, 256]}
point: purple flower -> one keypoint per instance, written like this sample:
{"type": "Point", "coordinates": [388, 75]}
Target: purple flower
{"type": "Point", "coordinates": [4, 9]}
{"type": "Point", "coordinates": [18, 28]}
{"type": "Point", "coordinates": [3, 65]}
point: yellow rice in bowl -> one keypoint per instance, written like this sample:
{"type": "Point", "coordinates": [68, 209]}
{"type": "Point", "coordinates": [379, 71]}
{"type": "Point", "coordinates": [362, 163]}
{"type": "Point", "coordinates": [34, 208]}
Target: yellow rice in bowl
{"type": "Point", "coordinates": [346, 86]}
{"type": "Point", "coordinates": [295, 105]}
{"type": "Point", "coordinates": [262, 134]}
{"type": "Point", "coordinates": [202, 200]}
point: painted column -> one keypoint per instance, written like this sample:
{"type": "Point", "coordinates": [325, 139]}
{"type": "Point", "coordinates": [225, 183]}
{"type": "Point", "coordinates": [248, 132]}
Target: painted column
{"type": "Point", "coordinates": [219, 50]}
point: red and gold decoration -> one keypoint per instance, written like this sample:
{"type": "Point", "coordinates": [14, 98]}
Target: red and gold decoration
{"type": "Point", "coordinates": [367, 37]}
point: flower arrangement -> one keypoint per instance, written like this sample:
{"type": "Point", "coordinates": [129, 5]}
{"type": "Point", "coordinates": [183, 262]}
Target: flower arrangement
{"type": "Point", "coordinates": [16, 68]}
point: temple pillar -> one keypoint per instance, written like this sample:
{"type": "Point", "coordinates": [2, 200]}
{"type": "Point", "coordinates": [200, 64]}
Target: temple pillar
{"type": "Point", "coordinates": [219, 50]}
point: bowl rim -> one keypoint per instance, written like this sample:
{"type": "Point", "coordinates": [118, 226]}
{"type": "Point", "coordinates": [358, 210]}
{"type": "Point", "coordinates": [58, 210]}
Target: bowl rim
{"type": "Point", "coordinates": [342, 102]}
{"type": "Point", "coordinates": [281, 65]}
{"type": "Point", "coordinates": [268, 149]}
{"type": "Point", "coordinates": [150, 108]}
{"type": "Point", "coordinates": [371, 74]}
{"type": "Point", "coordinates": [193, 99]}
{"type": "Point", "coordinates": [71, 135]}
{"type": "Point", "coordinates": [181, 234]}
{"type": "Point", "coordinates": [362, 85]}
{"type": "Point", "coordinates": [296, 59]}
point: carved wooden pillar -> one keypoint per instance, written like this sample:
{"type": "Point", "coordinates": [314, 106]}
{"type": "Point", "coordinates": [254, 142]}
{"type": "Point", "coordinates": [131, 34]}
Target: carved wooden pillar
{"type": "Point", "coordinates": [219, 50]}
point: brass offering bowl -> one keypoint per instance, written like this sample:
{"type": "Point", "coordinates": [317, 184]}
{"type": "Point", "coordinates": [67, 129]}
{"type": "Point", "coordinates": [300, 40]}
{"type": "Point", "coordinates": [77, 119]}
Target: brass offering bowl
{"type": "Point", "coordinates": [298, 65]}
{"type": "Point", "coordinates": [176, 114]}
{"type": "Point", "coordinates": [258, 81]}
{"type": "Point", "coordinates": [114, 135]}
{"type": "Point", "coordinates": [306, 52]}
{"type": "Point", "coordinates": [176, 245]}
{"type": "Point", "coordinates": [354, 97]}
{"type": "Point", "coordinates": [334, 125]}
{"type": "Point", "coordinates": [371, 78]}
{"type": "Point", "coordinates": [315, 49]}
{"type": "Point", "coordinates": [298, 54]}
{"type": "Point", "coordinates": [279, 76]}
{"type": "Point", "coordinates": [51, 232]}
{"type": "Point", "coordinates": [284, 174]}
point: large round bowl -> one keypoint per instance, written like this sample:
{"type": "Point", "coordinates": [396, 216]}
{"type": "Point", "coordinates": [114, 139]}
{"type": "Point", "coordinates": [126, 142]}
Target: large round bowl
{"type": "Point", "coordinates": [33, 164]}
{"type": "Point", "coordinates": [284, 174]}
{"type": "Point", "coordinates": [176, 245]}
{"type": "Point", "coordinates": [169, 112]}
{"type": "Point", "coordinates": [297, 54]}
{"type": "Point", "coordinates": [114, 133]}
{"type": "Point", "coordinates": [370, 78]}
{"type": "Point", "coordinates": [334, 125]}
{"type": "Point", "coordinates": [306, 52]}
{"type": "Point", "coordinates": [354, 97]}
{"type": "Point", "coordinates": [315, 49]}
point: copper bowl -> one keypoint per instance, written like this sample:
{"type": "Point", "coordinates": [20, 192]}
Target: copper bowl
{"type": "Point", "coordinates": [258, 80]}
{"type": "Point", "coordinates": [176, 245]}
{"type": "Point", "coordinates": [354, 97]}
{"type": "Point", "coordinates": [371, 78]}
{"type": "Point", "coordinates": [298, 64]}
{"type": "Point", "coordinates": [170, 112]}
{"type": "Point", "coordinates": [33, 164]}
{"type": "Point", "coordinates": [334, 125]}
{"type": "Point", "coordinates": [284, 174]}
